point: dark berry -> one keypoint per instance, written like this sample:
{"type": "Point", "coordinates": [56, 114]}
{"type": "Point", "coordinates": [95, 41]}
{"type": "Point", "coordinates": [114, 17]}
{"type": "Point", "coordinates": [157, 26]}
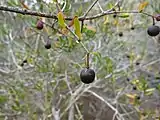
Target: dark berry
{"type": "Point", "coordinates": [128, 79]}
{"type": "Point", "coordinates": [138, 97]}
{"type": "Point", "coordinates": [132, 28]}
{"type": "Point", "coordinates": [120, 34]}
{"type": "Point", "coordinates": [128, 56]}
{"type": "Point", "coordinates": [157, 17]}
{"type": "Point", "coordinates": [25, 61]}
{"type": "Point", "coordinates": [137, 63]}
{"type": "Point", "coordinates": [39, 25]}
{"type": "Point", "coordinates": [87, 75]}
{"type": "Point", "coordinates": [153, 30]}
{"type": "Point", "coordinates": [114, 16]}
{"type": "Point", "coordinates": [48, 44]}
{"type": "Point", "coordinates": [157, 77]}
{"type": "Point", "coordinates": [134, 87]}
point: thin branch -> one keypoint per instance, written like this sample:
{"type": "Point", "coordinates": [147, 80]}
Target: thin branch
{"type": "Point", "coordinates": [82, 18]}
{"type": "Point", "coordinates": [107, 103]}
{"type": "Point", "coordinates": [78, 41]}
{"type": "Point", "coordinates": [26, 12]}
{"type": "Point", "coordinates": [9, 115]}
{"type": "Point", "coordinates": [100, 7]}
{"type": "Point", "coordinates": [89, 9]}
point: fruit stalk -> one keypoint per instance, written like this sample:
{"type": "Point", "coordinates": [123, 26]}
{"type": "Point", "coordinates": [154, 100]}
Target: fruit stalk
{"type": "Point", "coordinates": [87, 61]}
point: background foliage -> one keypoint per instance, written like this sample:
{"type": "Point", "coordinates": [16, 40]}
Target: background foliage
{"type": "Point", "coordinates": [48, 86]}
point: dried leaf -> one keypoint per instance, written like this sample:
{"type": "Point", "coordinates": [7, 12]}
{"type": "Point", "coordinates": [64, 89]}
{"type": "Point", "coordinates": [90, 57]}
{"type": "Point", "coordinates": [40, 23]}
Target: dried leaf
{"type": "Point", "coordinates": [142, 5]}
{"type": "Point", "coordinates": [24, 5]}
{"type": "Point", "coordinates": [64, 31]}
{"type": "Point", "coordinates": [71, 23]}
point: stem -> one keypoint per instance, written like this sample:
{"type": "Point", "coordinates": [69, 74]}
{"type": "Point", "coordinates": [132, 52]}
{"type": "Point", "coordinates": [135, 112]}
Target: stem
{"type": "Point", "coordinates": [82, 18]}
{"type": "Point", "coordinates": [89, 9]}
{"type": "Point", "coordinates": [87, 60]}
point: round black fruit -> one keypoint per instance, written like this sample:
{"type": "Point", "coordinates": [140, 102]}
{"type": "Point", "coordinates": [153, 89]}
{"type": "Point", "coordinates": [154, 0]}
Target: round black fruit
{"type": "Point", "coordinates": [134, 87]}
{"type": "Point", "coordinates": [120, 34]}
{"type": "Point", "coordinates": [87, 75]}
{"type": "Point", "coordinates": [48, 44]}
{"type": "Point", "coordinates": [39, 25]}
{"type": "Point", "coordinates": [153, 30]}
{"type": "Point", "coordinates": [132, 28]}
{"type": "Point", "coordinates": [138, 97]}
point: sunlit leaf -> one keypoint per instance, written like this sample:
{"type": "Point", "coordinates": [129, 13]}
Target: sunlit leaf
{"type": "Point", "coordinates": [61, 19]}
{"type": "Point", "coordinates": [149, 91]}
{"type": "Point", "coordinates": [125, 15]}
{"type": "Point", "coordinates": [106, 20]}
{"type": "Point", "coordinates": [136, 81]}
{"type": "Point", "coordinates": [115, 22]}
{"type": "Point", "coordinates": [142, 5]}
{"type": "Point", "coordinates": [132, 96]}
{"type": "Point", "coordinates": [109, 5]}
{"type": "Point", "coordinates": [77, 27]}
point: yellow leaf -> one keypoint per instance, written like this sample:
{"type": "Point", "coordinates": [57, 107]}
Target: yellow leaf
{"type": "Point", "coordinates": [106, 20]}
{"type": "Point", "coordinates": [142, 5]}
{"type": "Point", "coordinates": [77, 27]}
{"type": "Point", "coordinates": [115, 22]}
{"type": "Point", "coordinates": [61, 19]}
{"type": "Point", "coordinates": [132, 96]}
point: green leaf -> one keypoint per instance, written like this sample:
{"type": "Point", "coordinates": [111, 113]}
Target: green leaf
{"type": "Point", "coordinates": [61, 20]}
{"type": "Point", "coordinates": [97, 54]}
{"type": "Point", "coordinates": [77, 27]}
{"type": "Point", "coordinates": [125, 15]}
{"type": "Point", "coordinates": [109, 65]}
{"type": "Point", "coordinates": [55, 1]}
{"type": "Point", "coordinates": [149, 91]}
{"type": "Point", "coordinates": [109, 5]}
{"type": "Point", "coordinates": [12, 3]}
{"type": "Point", "coordinates": [89, 31]}
{"type": "Point", "coordinates": [3, 99]}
